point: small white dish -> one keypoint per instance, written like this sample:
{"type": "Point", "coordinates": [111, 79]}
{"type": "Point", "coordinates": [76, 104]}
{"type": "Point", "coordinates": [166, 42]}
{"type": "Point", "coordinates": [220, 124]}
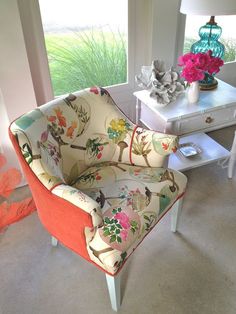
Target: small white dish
{"type": "Point", "coordinates": [189, 149]}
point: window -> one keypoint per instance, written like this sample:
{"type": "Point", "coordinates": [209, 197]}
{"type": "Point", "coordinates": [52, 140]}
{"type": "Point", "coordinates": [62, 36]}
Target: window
{"type": "Point", "coordinates": [228, 37]}
{"type": "Point", "coordinates": [136, 13]}
{"type": "Point", "coordinates": [86, 42]}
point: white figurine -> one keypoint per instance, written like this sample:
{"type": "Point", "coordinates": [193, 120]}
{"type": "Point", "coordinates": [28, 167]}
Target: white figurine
{"type": "Point", "coordinates": [164, 85]}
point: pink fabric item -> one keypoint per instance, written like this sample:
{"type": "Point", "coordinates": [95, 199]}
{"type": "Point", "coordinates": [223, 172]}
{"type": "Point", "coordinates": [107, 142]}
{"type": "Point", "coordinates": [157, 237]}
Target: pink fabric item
{"type": "Point", "coordinates": [9, 181]}
{"type": "Point", "coordinates": [12, 212]}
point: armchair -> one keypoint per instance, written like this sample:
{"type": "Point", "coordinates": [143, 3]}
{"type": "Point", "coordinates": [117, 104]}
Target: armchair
{"type": "Point", "coordinates": [96, 178]}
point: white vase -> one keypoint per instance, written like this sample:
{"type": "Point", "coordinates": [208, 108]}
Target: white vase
{"type": "Point", "coordinates": [193, 92]}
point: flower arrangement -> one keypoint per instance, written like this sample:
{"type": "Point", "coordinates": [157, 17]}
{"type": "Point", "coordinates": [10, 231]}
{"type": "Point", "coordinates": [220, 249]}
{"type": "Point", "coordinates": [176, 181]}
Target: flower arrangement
{"type": "Point", "coordinates": [196, 66]}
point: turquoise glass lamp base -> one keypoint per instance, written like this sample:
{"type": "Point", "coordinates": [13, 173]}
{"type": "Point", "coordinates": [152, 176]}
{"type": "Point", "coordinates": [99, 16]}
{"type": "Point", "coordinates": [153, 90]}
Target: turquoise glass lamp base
{"type": "Point", "coordinates": [209, 35]}
{"type": "Point", "coordinates": [208, 83]}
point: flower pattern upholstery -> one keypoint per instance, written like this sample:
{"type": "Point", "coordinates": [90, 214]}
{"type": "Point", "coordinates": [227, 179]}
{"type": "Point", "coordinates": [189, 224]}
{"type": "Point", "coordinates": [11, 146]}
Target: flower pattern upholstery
{"type": "Point", "coordinates": [86, 152]}
{"type": "Point", "coordinates": [132, 200]}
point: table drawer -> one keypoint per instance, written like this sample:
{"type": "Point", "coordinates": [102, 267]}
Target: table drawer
{"type": "Point", "coordinates": [206, 121]}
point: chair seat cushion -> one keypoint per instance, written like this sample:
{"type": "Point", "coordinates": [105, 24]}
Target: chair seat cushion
{"type": "Point", "coordinates": [132, 200]}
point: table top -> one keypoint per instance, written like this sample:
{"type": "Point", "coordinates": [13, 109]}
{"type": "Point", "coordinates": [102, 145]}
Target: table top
{"type": "Point", "coordinates": [223, 96]}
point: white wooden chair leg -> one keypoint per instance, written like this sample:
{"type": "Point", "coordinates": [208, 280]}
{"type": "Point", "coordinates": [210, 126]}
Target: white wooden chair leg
{"type": "Point", "coordinates": [54, 241]}
{"type": "Point", "coordinates": [113, 285]}
{"type": "Point", "coordinates": [175, 213]}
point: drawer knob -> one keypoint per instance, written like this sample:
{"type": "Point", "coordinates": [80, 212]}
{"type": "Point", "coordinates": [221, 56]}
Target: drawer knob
{"type": "Point", "coordinates": [209, 120]}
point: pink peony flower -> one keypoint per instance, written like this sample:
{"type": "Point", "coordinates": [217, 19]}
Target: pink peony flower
{"type": "Point", "coordinates": [202, 60]}
{"type": "Point", "coordinates": [214, 65]}
{"type": "Point", "coordinates": [123, 220]}
{"type": "Point", "coordinates": [196, 65]}
{"type": "Point", "coordinates": [186, 58]}
{"type": "Point", "coordinates": [192, 74]}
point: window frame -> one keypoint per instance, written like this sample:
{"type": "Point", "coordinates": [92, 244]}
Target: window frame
{"type": "Point", "coordinates": [146, 21]}
{"type": "Point", "coordinates": [138, 10]}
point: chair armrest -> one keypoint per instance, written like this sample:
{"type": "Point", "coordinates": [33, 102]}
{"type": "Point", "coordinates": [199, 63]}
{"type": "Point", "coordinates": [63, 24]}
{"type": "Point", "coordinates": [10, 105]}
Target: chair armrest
{"type": "Point", "coordinates": [81, 200]}
{"type": "Point", "coordinates": [150, 148]}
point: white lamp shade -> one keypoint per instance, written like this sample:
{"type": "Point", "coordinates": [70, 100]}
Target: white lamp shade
{"type": "Point", "coordinates": [208, 7]}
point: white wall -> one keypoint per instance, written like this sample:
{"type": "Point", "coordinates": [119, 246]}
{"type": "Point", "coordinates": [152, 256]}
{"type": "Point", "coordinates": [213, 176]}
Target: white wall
{"type": "Point", "coordinates": [165, 33]}
{"type": "Point", "coordinates": [140, 38]}
{"type": "Point", "coordinates": [36, 50]}
{"type": "Point", "coordinates": [228, 73]}
{"type": "Point", "coordinates": [16, 88]}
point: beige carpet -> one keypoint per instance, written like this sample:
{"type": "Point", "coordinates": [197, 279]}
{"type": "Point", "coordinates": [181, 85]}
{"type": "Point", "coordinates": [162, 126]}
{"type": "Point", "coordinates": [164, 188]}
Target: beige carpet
{"type": "Point", "coordinates": [191, 272]}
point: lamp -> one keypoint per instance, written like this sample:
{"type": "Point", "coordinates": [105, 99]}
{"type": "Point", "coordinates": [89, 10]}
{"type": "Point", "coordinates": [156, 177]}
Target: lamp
{"type": "Point", "coordinates": [210, 32]}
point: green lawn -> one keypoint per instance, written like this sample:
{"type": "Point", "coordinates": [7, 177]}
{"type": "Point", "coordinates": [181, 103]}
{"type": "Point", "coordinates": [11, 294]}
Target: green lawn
{"type": "Point", "coordinates": [79, 60]}
{"type": "Point", "coordinates": [82, 59]}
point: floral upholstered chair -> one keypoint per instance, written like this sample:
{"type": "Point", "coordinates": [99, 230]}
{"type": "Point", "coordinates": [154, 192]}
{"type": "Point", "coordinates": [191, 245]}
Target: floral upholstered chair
{"type": "Point", "coordinates": [96, 178]}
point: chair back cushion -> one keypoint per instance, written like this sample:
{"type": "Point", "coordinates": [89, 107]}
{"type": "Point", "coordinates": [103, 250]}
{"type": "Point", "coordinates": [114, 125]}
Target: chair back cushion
{"type": "Point", "coordinates": [64, 137]}
{"type": "Point", "coordinates": [60, 139]}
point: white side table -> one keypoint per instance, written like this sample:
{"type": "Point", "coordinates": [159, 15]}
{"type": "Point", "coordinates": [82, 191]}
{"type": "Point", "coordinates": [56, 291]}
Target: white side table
{"type": "Point", "coordinates": [215, 109]}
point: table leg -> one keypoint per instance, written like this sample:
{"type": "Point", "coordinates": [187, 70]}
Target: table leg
{"type": "Point", "coordinates": [232, 158]}
{"type": "Point", "coordinates": [138, 105]}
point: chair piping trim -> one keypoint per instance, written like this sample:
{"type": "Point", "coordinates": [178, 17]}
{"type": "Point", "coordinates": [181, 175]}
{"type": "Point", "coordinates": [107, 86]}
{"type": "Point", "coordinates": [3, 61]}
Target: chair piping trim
{"type": "Point", "coordinates": [52, 188]}
{"type": "Point", "coordinates": [131, 144]}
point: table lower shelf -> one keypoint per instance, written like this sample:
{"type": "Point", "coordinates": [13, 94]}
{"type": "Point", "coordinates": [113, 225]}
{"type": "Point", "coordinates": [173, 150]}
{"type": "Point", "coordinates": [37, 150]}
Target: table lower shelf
{"type": "Point", "coordinates": [211, 151]}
